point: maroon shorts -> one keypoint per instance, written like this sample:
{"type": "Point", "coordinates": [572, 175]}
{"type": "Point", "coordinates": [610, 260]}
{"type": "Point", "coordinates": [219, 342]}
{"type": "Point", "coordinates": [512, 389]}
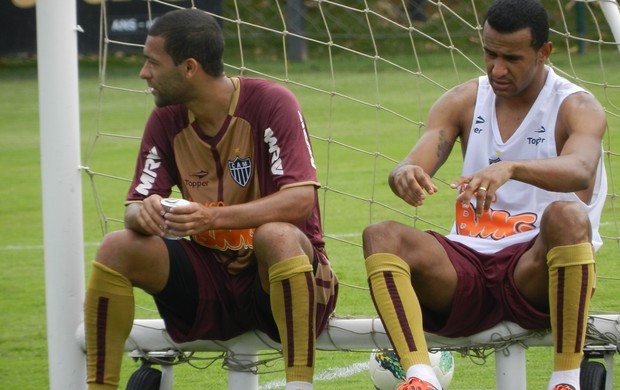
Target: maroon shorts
{"type": "Point", "coordinates": [202, 300]}
{"type": "Point", "coordinates": [485, 294]}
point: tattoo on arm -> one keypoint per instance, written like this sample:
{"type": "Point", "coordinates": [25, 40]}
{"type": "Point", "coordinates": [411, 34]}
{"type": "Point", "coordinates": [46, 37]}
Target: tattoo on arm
{"type": "Point", "coordinates": [444, 147]}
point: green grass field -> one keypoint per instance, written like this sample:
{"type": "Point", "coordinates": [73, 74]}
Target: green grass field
{"type": "Point", "coordinates": [369, 117]}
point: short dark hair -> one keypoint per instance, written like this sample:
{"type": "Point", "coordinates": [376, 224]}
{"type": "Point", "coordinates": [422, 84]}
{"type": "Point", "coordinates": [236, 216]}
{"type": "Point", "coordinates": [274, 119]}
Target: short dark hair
{"type": "Point", "coordinates": [508, 16]}
{"type": "Point", "coordinates": [192, 33]}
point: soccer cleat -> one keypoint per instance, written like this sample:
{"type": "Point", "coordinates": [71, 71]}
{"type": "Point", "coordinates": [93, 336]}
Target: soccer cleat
{"type": "Point", "coordinates": [417, 384]}
{"type": "Point", "coordinates": [564, 386]}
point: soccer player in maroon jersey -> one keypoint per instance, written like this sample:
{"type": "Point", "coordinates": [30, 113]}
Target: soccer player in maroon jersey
{"type": "Point", "coordinates": [253, 256]}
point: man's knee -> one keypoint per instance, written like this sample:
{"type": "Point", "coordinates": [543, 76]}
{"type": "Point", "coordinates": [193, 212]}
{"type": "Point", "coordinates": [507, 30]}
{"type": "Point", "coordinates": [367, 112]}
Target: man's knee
{"type": "Point", "coordinates": [382, 237]}
{"type": "Point", "coordinates": [113, 246]}
{"type": "Point", "coordinates": [277, 241]}
{"type": "Point", "coordinates": [127, 252]}
{"type": "Point", "coordinates": [566, 223]}
{"type": "Point", "coordinates": [281, 232]}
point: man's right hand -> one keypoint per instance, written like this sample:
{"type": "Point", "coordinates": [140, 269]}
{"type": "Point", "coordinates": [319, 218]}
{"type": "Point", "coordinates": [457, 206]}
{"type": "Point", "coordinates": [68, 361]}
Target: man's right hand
{"type": "Point", "coordinates": [412, 184]}
{"type": "Point", "coordinates": [146, 217]}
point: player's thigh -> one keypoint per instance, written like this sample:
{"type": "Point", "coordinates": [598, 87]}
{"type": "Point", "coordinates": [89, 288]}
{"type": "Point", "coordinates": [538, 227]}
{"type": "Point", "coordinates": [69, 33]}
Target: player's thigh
{"type": "Point", "coordinates": [531, 274]}
{"type": "Point", "coordinates": [141, 259]}
{"type": "Point", "coordinates": [418, 248]}
{"type": "Point", "coordinates": [179, 298]}
{"type": "Point", "coordinates": [433, 273]}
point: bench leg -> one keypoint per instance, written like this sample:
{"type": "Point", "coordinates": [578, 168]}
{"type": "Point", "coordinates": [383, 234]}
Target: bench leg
{"type": "Point", "coordinates": [609, 363]}
{"type": "Point", "coordinates": [510, 368]}
{"type": "Point", "coordinates": [167, 377]}
{"type": "Point", "coordinates": [242, 380]}
{"type": "Point", "coordinates": [242, 367]}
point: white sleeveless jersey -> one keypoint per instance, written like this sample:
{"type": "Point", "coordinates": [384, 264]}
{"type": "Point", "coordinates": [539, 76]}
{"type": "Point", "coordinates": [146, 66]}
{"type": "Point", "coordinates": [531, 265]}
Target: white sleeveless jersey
{"type": "Point", "coordinates": [517, 207]}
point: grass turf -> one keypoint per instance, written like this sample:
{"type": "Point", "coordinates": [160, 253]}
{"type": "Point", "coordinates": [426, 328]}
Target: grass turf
{"type": "Point", "coordinates": [348, 117]}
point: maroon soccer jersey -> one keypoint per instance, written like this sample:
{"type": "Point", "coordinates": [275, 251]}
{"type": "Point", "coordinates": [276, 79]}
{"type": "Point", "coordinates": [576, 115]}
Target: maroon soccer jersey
{"type": "Point", "coordinates": [262, 147]}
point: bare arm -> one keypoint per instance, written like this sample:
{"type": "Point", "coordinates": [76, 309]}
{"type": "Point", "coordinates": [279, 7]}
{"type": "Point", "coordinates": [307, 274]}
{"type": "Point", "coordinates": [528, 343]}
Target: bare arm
{"type": "Point", "coordinates": [581, 126]}
{"type": "Point", "coordinates": [291, 204]}
{"type": "Point", "coordinates": [579, 131]}
{"type": "Point", "coordinates": [447, 119]}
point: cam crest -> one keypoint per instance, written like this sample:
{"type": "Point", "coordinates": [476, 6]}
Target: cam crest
{"type": "Point", "coordinates": [240, 170]}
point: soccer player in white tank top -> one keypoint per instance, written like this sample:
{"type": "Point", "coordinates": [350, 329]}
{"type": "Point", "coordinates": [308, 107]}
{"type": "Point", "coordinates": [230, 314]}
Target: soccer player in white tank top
{"type": "Point", "coordinates": [528, 205]}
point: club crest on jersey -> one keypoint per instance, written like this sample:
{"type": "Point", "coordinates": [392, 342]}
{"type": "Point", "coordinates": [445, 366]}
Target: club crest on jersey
{"type": "Point", "coordinates": [240, 170]}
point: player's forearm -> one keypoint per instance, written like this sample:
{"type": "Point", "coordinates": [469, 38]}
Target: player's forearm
{"type": "Point", "coordinates": [560, 174]}
{"type": "Point", "coordinates": [289, 205]}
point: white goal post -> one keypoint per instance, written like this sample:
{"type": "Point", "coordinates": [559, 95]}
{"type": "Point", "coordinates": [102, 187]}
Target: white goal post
{"type": "Point", "coordinates": [59, 116]}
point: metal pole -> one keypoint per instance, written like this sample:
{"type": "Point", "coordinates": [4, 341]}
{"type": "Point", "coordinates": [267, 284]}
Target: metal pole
{"type": "Point", "coordinates": [580, 25]}
{"type": "Point", "coordinates": [61, 190]}
{"type": "Point", "coordinates": [296, 17]}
